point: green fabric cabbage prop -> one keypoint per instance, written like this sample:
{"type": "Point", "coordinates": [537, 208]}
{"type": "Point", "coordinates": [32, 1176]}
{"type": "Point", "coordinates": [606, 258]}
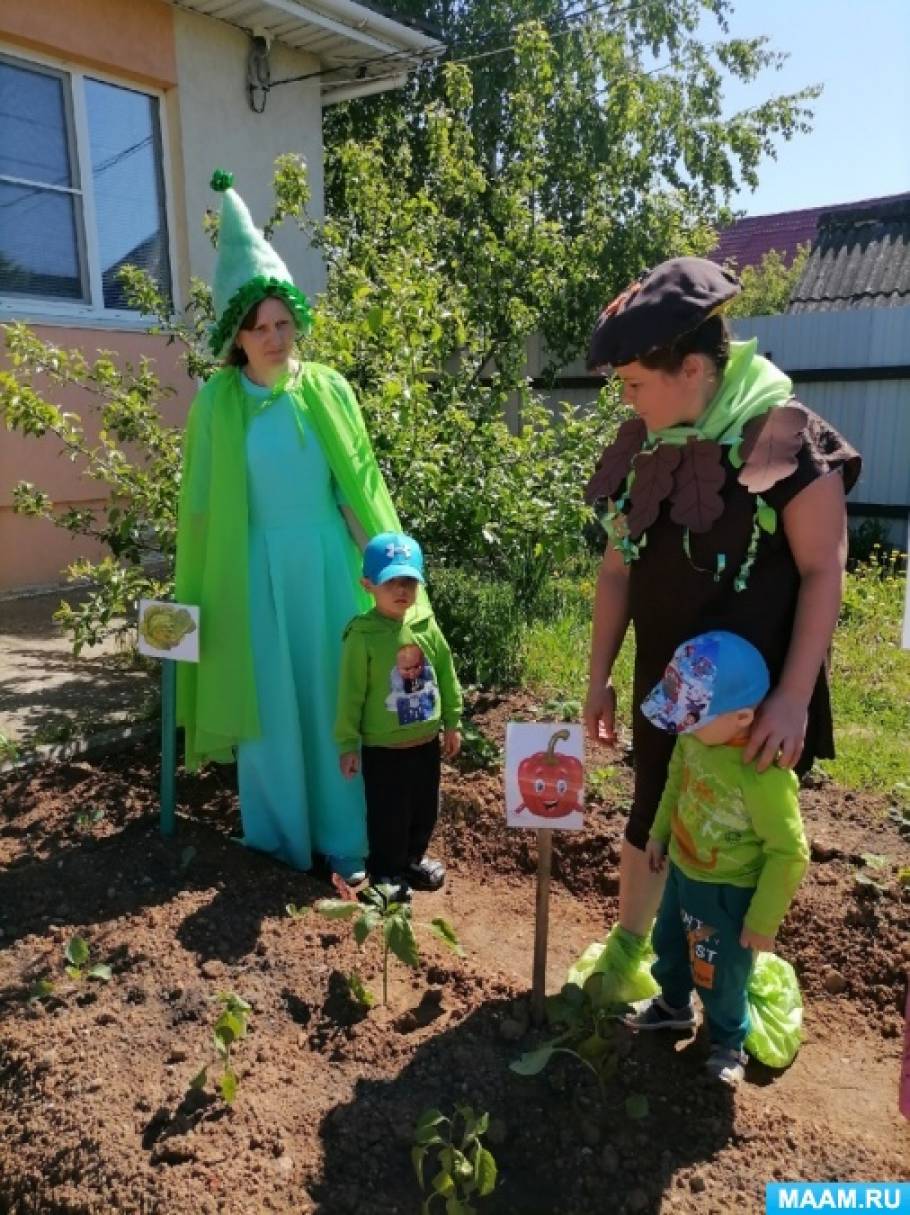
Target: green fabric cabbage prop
{"type": "Point", "coordinates": [775, 1012]}
{"type": "Point", "coordinates": [624, 962]}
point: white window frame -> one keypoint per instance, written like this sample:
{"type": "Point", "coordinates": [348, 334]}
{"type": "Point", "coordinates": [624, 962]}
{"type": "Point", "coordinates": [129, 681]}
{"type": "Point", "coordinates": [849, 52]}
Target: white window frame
{"type": "Point", "coordinates": [77, 313]}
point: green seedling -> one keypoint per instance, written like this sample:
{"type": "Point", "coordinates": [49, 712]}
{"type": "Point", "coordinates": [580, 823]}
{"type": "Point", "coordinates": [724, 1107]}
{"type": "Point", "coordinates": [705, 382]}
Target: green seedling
{"type": "Point", "coordinates": [379, 908]}
{"type": "Point", "coordinates": [230, 1027]}
{"type": "Point", "coordinates": [9, 752]}
{"type": "Point", "coordinates": [295, 912]}
{"type": "Point", "coordinates": [360, 993]}
{"type": "Point", "coordinates": [478, 751]}
{"type": "Point", "coordinates": [41, 989]}
{"type": "Point", "coordinates": [465, 1168]}
{"type": "Point", "coordinates": [78, 956]}
{"type": "Point", "coordinates": [588, 1035]}
{"type": "Point", "coordinates": [868, 886]}
{"type": "Point", "coordinates": [598, 780]}
{"type": "Point", "coordinates": [562, 710]}
{"type": "Point", "coordinates": [86, 819]}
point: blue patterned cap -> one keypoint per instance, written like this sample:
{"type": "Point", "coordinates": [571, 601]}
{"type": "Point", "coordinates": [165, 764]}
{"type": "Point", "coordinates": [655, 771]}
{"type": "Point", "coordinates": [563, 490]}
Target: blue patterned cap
{"type": "Point", "coordinates": [713, 674]}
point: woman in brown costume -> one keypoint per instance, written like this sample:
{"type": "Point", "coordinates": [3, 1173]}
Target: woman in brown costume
{"type": "Point", "coordinates": [723, 504]}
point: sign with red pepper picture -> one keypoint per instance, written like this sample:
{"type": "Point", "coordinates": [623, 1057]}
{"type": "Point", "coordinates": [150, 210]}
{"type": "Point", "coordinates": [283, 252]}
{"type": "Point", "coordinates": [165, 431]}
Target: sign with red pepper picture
{"type": "Point", "coordinates": [544, 775]}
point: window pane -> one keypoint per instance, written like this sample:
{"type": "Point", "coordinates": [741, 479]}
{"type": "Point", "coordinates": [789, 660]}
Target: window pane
{"type": "Point", "coordinates": [33, 139]}
{"type": "Point", "coordinates": [38, 244]}
{"type": "Point", "coordinates": [129, 194]}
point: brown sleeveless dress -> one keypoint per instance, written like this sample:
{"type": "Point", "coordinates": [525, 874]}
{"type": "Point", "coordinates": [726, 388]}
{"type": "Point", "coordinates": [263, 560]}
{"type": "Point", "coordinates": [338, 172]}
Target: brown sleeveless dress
{"type": "Point", "coordinates": [675, 595]}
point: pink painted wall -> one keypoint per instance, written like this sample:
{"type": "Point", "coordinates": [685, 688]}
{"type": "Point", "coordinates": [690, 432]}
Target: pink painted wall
{"type": "Point", "coordinates": [35, 553]}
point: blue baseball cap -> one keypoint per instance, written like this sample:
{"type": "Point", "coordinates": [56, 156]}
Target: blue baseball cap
{"type": "Point", "coordinates": [392, 555]}
{"type": "Point", "coordinates": [713, 674]}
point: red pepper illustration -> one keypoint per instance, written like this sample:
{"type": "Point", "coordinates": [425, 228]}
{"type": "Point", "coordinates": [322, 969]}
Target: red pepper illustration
{"type": "Point", "coordinates": [551, 784]}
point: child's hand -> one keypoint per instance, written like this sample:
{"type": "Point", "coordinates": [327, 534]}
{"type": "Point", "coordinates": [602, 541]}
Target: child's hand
{"type": "Point", "coordinates": [350, 764]}
{"type": "Point", "coordinates": [451, 743]}
{"type": "Point", "coordinates": [749, 939]}
{"type": "Point", "coordinates": [656, 852]}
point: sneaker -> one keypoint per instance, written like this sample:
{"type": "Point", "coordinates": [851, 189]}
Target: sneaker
{"type": "Point", "coordinates": [658, 1014]}
{"type": "Point", "coordinates": [726, 1064]}
{"type": "Point", "coordinates": [400, 891]}
{"type": "Point", "coordinates": [349, 868]}
{"type": "Point", "coordinates": [425, 874]}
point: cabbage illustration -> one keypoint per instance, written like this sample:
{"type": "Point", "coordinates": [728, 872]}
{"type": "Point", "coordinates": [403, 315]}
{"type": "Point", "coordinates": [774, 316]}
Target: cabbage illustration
{"type": "Point", "coordinates": [164, 627]}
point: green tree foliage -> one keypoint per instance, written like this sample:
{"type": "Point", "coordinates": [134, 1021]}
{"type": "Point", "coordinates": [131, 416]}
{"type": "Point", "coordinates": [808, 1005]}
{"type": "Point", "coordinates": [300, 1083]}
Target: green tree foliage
{"type": "Point", "coordinates": [444, 255]}
{"type": "Point", "coordinates": [767, 287]}
{"type": "Point", "coordinates": [620, 130]}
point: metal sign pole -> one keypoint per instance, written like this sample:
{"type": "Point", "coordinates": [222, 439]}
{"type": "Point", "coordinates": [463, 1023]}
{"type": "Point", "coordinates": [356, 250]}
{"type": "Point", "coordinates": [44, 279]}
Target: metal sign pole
{"type": "Point", "coordinates": [541, 925]}
{"type": "Point", "coordinates": [168, 797]}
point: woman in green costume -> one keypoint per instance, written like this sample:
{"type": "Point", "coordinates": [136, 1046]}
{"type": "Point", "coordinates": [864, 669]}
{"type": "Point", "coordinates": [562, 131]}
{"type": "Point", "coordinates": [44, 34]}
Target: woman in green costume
{"type": "Point", "coordinates": [280, 490]}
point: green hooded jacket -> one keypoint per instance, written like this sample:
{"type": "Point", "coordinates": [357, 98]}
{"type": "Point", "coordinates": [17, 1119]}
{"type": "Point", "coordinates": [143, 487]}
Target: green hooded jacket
{"type": "Point", "coordinates": [398, 681]}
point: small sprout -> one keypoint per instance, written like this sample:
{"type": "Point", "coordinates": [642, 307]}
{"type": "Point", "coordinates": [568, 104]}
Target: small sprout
{"type": "Point", "coordinates": [40, 989]}
{"type": "Point", "coordinates": [295, 912]}
{"type": "Point", "coordinates": [86, 819]}
{"type": "Point", "coordinates": [231, 1026]}
{"type": "Point", "coordinates": [360, 993]}
{"type": "Point", "coordinates": [77, 954]}
{"type": "Point", "coordinates": [465, 1168]}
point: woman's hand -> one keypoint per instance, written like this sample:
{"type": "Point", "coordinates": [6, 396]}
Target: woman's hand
{"type": "Point", "coordinates": [451, 743]}
{"type": "Point", "coordinates": [350, 764]}
{"type": "Point", "coordinates": [600, 713]}
{"type": "Point", "coordinates": [749, 939]}
{"type": "Point", "coordinates": [778, 732]}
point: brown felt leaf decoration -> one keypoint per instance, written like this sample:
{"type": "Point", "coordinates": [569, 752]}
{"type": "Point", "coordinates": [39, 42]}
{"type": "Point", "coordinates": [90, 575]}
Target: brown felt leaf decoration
{"type": "Point", "coordinates": [616, 460]}
{"type": "Point", "coordinates": [770, 446]}
{"type": "Point", "coordinates": [697, 483]}
{"type": "Point", "coordinates": [653, 482]}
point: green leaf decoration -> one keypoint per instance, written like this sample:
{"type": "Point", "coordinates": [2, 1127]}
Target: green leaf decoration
{"type": "Point", "coordinates": [637, 1106]}
{"type": "Point", "coordinates": [767, 518]}
{"type": "Point", "coordinates": [77, 951]}
{"type": "Point", "coordinates": [444, 931]}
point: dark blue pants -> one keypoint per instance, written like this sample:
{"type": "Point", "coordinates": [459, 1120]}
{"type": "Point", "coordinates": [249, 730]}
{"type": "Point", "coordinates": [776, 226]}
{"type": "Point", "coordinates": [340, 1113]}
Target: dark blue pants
{"type": "Point", "coordinates": [696, 939]}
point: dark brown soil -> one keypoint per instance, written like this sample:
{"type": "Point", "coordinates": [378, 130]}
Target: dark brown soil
{"type": "Point", "coordinates": [95, 1111]}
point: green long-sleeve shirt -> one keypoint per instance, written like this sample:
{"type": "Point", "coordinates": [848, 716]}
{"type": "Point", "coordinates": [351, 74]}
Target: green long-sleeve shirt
{"type": "Point", "coordinates": [397, 683]}
{"type": "Point", "coordinates": [728, 823]}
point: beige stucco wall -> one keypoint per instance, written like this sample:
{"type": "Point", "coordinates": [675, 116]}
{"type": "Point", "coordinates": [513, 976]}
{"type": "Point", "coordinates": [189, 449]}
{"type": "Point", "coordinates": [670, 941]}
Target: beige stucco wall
{"type": "Point", "coordinates": [32, 552]}
{"type": "Point", "coordinates": [219, 130]}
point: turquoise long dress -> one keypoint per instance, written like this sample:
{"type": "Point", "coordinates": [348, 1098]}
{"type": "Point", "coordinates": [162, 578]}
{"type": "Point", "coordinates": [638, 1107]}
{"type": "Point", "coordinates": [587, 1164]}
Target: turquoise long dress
{"type": "Point", "coordinates": [293, 799]}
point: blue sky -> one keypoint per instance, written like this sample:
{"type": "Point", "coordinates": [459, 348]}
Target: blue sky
{"type": "Point", "coordinates": [860, 143]}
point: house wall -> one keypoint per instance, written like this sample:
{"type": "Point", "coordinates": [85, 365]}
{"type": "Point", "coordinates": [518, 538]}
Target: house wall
{"type": "Point", "coordinates": [198, 68]}
{"type": "Point", "coordinates": [219, 130]}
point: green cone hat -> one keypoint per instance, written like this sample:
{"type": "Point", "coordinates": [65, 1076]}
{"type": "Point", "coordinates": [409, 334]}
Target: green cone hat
{"type": "Point", "coordinates": [247, 270]}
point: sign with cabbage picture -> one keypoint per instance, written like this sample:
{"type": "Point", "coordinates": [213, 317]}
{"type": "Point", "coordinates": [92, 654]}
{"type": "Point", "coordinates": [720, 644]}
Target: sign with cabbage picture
{"type": "Point", "coordinates": [169, 630]}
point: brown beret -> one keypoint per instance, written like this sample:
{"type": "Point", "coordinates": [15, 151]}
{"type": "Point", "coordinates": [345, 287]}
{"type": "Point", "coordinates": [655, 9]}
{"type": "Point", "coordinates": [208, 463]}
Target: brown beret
{"type": "Point", "coordinates": [659, 307]}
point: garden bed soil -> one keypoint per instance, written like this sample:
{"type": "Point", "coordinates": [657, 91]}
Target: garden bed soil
{"type": "Point", "coordinates": [96, 1114]}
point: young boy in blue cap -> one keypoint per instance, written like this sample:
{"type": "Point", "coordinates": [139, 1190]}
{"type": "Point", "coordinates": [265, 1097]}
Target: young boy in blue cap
{"type": "Point", "coordinates": [397, 689]}
{"type": "Point", "coordinates": [736, 844]}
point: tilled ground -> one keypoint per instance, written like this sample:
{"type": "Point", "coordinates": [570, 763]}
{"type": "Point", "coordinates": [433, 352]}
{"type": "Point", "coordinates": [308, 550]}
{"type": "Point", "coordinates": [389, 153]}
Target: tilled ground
{"type": "Point", "coordinates": [95, 1110]}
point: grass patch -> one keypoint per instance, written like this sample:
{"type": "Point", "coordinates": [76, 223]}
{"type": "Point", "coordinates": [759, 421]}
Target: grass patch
{"type": "Point", "coordinates": [871, 673]}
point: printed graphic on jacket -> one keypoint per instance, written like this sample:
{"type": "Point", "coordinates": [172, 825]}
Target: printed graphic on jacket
{"type": "Point", "coordinates": [413, 690]}
{"type": "Point", "coordinates": [713, 809]}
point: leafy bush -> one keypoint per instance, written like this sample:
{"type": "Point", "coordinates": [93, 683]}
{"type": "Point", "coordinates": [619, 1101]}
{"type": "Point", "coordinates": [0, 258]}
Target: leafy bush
{"type": "Point", "coordinates": [484, 625]}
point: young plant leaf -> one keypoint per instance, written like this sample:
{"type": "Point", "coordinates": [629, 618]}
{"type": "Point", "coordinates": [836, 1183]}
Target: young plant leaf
{"type": "Point", "coordinates": [295, 912]}
{"type": "Point", "coordinates": [444, 931]}
{"type": "Point", "coordinates": [227, 1083]}
{"type": "Point", "coordinates": [365, 923]}
{"type": "Point", "coordinates": [637, 1106]}
{"type": "Point", "coordinates": [418, 1154]}
{"type": "Point", "coordinates": [77, 951]}
{"type": "Point", "coordinates": [40, 989]}
{"type": "Point", "coordinates": [401, 940]}
{"type": "Point", "coordinates": [443, 1184]}
{"type": "Point", "coordinates": [337, 909]}
{"type": "Point", "coordinates": [74, 972]}
{"type": "Point", "coordinates": [484, 1171]}
{"type": "Point", "coordinates": [100, 971]}
{"type": "Point", "coordinates": [360, 991]}
{"type": "Point", "coordinates": [533, 1061]}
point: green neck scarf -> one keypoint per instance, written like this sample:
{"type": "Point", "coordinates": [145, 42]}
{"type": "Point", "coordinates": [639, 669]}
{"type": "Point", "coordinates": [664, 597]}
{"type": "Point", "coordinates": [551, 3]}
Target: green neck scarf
{"type": "Point", "coordinates": [216, 698]}
{"type": "Point", "coordinates": [750, 387]}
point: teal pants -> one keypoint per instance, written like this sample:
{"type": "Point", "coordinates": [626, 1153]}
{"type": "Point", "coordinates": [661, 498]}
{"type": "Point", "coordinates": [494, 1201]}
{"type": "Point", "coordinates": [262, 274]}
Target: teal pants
{"type": "Point", "coordinates": [696, 940]}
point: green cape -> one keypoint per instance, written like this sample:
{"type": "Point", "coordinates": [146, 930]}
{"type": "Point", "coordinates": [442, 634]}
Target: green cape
{"type": "Point", "coordinates": [216, 698]}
